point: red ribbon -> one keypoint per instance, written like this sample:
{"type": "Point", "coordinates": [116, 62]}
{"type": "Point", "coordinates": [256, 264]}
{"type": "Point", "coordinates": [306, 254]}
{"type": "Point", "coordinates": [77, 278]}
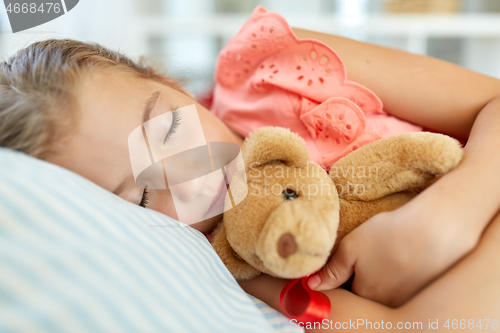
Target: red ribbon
{"type": "Point", "coordinates": [300, 302]}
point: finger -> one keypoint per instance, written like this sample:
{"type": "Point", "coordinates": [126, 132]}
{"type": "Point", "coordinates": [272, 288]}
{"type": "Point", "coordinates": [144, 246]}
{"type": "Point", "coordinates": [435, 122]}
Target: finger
{"type": "Point", "coordinates": [336, 272]}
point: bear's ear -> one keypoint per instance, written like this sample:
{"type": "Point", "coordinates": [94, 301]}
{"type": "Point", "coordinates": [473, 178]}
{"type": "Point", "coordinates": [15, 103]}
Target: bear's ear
{"type": "Point", "coordinates": [268, 144]}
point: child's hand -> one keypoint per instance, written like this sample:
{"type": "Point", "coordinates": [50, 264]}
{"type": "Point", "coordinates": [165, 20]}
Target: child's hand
{"type": "Point", "coordinates": [395, 254]}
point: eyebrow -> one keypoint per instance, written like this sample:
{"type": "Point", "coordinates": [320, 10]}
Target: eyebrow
{"type": "Point", "coordinates": [150, 104]}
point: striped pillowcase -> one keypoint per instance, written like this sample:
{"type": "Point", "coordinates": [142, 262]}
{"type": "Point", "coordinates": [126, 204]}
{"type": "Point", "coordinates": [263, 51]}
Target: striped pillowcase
{"type": "Point", "coordinates": [76, 258]}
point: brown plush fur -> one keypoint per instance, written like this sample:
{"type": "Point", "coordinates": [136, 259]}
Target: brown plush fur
{"type": "Point", "coordinates": [378, 177]}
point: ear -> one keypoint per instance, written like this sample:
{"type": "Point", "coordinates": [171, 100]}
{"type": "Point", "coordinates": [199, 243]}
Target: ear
{"type": "Point", "coordinates": [269, 144]}
{"type": "Point", "coordinates": [239, 268]}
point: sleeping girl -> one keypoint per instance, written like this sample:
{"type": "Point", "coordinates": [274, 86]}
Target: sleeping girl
{"type": "Point", "coordinates": [75, 104]}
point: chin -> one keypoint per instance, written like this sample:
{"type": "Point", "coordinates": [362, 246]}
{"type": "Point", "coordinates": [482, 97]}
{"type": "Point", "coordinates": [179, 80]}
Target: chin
{"type": "Point", "coordinates": [208, 225]}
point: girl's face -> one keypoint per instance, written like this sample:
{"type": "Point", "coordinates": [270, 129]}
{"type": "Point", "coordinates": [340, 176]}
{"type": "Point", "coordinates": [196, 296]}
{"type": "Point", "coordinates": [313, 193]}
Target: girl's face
{"type": "Point", "coordinates": [112, 103]}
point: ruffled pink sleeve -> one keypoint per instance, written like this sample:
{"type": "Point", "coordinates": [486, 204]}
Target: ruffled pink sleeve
{"type": "Point", "coordinates": [266, 76]}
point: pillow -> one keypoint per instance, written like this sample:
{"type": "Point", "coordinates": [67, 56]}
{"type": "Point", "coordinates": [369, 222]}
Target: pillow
{"type": "Point", "coordinates": [76, 258]}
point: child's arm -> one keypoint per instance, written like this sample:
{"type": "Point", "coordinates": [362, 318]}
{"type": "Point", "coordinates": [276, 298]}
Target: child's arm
{"type": "Point", "coordinates": [468, 293]}
{"type": "Point", "coordinates": [397, 253]}
{"type": "Point", "coordinates": [344, 304]}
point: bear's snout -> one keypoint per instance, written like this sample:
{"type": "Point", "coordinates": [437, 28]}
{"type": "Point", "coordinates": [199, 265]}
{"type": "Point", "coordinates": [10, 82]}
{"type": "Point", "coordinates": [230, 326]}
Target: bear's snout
{"type": "Point", "coordinates": [297, 238]}
{"type": "Point", "coordinates": [287, 245]}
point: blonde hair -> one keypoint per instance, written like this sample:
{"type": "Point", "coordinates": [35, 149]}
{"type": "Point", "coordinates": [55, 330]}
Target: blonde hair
{"type": "Point", "coordinates": [36, 90]}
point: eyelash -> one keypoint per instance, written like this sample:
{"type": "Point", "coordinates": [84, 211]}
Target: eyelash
{"type": "Point", "coordinates": [145, 198]}
{"type": "Point", "coordinates": [176, 120]}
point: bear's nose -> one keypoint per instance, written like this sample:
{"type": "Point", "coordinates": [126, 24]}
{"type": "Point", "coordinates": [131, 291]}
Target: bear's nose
{"type": "Point", "coordinates": [287, 245]}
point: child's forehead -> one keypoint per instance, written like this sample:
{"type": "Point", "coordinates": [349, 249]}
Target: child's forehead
{"type": "Point", "coordinates": [122, 79]}
{"type": "Point", "coordinates": [114, 87]}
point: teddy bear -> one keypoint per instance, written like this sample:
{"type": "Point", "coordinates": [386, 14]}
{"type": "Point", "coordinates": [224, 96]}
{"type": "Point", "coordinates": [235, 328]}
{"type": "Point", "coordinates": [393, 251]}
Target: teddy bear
{"type": "Point", "coordinates": [296, 213]}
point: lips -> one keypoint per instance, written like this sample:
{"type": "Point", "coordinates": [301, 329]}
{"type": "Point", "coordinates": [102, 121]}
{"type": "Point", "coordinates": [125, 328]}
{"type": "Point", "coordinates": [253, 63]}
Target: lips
{"type": "Point", "coordinates": [218, 200]}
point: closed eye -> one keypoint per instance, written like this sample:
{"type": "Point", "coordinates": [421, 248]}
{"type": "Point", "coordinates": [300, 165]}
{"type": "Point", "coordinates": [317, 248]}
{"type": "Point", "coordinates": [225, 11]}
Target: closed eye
{"type": "Point", "coordinates": [176, 119]}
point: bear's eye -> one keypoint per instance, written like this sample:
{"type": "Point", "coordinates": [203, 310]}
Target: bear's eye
{"type": "Point", "coordinates": [290, 194]}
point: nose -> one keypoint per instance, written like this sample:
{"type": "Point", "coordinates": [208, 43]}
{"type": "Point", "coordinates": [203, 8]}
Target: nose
{"type": "Point", "coordinates": [287, 245]}
{"type": "Point", "coordinates": [189, 190]}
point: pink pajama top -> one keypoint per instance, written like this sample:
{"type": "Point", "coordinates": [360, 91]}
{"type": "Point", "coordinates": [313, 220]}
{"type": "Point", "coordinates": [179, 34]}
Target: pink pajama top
{"type": "Point", "coordinates": [266, 76]}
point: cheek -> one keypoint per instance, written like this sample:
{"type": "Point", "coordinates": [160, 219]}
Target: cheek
{"type": "Point", "coordinates": [161, 201]}
{"type": "Point", "coordinates": [214, 129]}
